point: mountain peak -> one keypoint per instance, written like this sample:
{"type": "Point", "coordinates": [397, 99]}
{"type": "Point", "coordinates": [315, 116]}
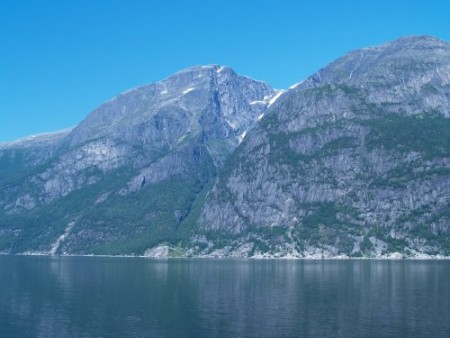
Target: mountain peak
{"type": "Point", "coordinates": [205, 68]}
{"type": "Point", "coordinates": [410, 56]}
{"type": "Point", "coordinates": [190, 97]}
{"type": "Point", "coordinates": [417, 39]}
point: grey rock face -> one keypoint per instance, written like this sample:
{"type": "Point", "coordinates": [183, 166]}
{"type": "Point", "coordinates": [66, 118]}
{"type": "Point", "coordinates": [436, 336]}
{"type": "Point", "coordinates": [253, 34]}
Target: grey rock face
{"type": "Point", "coordinates": [180, 129]}
{"type": "Point", "coordinates": [359, 149]}
{"type": "Point", "coordinates": [211, 100]}
{"type": "Point", "coordinates": [353, 161]}
{"type": "Point", "coordinates": [211, 105]}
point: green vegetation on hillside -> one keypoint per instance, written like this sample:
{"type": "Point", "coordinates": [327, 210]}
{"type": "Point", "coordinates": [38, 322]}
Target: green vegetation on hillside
{"type": "Point", "coordinates": [428, 136]}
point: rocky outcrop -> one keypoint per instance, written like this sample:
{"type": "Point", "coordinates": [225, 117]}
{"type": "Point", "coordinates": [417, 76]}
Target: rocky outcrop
{"type": "Point", "coordinates": [359, 150]}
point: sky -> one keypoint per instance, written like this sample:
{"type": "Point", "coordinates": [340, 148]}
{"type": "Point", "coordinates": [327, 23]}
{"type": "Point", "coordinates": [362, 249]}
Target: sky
{"type": "Point", "coordinates": [59, 60]}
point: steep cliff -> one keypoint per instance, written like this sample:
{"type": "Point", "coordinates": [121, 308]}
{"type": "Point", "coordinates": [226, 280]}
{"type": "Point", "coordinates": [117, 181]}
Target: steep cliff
{"type": "Point", "coordinates": [353, 161]}
{"type": "Point", "coordinates": [129, 174]}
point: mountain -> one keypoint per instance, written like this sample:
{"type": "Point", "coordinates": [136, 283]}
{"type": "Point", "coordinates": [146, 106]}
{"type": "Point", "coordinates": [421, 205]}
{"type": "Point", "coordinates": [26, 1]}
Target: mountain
{"type": "Point", "coordinates": [354, 161]}
{"type": "Point", "coordinates": [129, 175]}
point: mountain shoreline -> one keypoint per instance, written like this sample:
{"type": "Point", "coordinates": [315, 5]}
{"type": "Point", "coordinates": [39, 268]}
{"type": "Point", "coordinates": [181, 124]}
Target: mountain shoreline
{"type": "Point", "coordinates": [393, 257]}
{"type": "Point", "coordinates": [353, 161]}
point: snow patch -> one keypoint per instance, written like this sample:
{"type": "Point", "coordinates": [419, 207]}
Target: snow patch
{"type": "Point", "coordinates": [219, 70]}
{"type": "Point", "coordinates": [257, 102]}
{"type": "Point", "coordinates": [260, 116]}
{"type": "Point", "coordinates": [273, 99]}
{"type": "Point", "coordinates": [188, 90]}
{"type": "Point", "coordinates": [242, 136]}
{"type": "Point", "coordinates": [295, 85]}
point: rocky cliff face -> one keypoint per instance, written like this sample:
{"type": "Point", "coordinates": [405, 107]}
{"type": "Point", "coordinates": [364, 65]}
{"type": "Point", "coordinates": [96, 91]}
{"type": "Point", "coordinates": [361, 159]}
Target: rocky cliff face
{"type": "Point", "coordinates": [149, 141]}
{"type": "Point", "coordinates": [354, 161]}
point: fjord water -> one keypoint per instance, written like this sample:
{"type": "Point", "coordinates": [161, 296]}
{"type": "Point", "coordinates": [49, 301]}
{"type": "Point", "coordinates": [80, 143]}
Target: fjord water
{"type": "Point", "coordinates": [136, 297]}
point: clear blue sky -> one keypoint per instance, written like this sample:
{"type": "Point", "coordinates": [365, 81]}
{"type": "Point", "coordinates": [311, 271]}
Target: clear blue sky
{"type": "Point", "coordinates": [60, 59]}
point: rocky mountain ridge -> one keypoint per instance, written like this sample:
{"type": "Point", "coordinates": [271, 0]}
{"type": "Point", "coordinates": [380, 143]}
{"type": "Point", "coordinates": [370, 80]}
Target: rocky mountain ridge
{"type": "Point", "coordinates": [354, 161]}
{"type": "Point", "coordinates": [156, 143]}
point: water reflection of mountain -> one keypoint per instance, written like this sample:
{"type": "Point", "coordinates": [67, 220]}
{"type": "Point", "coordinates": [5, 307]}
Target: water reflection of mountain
{"type": "Point", "coordinates": [130, 297]}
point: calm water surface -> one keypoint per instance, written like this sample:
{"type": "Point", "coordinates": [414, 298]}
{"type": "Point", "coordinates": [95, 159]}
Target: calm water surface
{"type": "Point", "coordinates": [133, 297]}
